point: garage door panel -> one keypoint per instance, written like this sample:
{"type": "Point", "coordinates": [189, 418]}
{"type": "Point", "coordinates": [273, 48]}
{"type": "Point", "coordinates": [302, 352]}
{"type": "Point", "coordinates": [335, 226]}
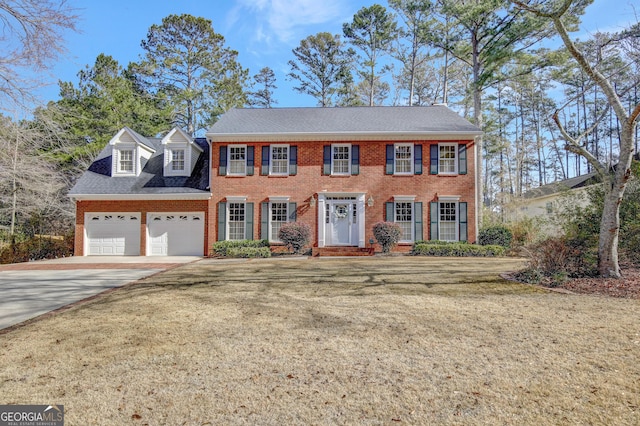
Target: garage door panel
{"type": "Point", "coordinates": [113, 234]}
{"type": "Point", "coordinates": [175, 234]}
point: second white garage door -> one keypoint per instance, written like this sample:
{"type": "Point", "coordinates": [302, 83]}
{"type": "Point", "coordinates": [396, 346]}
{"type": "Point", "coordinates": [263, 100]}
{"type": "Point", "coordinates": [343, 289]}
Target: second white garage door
{"type": "Point", "coordinates": [175, 234]}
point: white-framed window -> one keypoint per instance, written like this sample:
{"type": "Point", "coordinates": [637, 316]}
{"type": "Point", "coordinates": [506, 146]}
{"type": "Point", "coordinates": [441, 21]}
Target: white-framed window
{"type": "Point", "coordinates": [278, 215]}
{"type": "Point", "coordinates": [279, 164]}
{"type": "Point", "coordinates": [126, 160]}
{"type": "Point", "coordinates": [403, 159]}
{"type": "Point", "coordinates": [448, 221]}
{"type": "Point", "coordinates": [177, 160]}
{"type": "Point", "coordinates": [236, 215]}
{"type": "Point", "coordinates": [237, 160]}
{"type": "Point", "coordinates": [341, 159]}
{"type": "Point", "coordinates": [403, 216]}
{"type": "Point", "coordinates": [448, 158]}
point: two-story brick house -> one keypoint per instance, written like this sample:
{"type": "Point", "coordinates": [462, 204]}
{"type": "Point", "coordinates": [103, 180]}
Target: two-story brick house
{"type": "Point", "coordinates": [340, 170]}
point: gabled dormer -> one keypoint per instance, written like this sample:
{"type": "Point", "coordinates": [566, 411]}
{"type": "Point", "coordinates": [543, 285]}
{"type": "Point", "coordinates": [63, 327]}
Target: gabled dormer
{"type": "Point", "coordinates": [129, 153]}
{"type": "Point", "coordinates": [180, 153]}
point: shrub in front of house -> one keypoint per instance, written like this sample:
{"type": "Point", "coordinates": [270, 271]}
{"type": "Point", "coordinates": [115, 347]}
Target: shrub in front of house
{"type": "Point", "coordinates": [37, 248]}
{"type": "Point", "coordinates": [249, 252]}
{"type": "Point", "coordinates": [244, 247]}
{"type": "Point", "coordinates": [456, 249]}
{"type": "Point", "coordinates": [295, 235]}
{"type": "Point", "coordinates": [495, 235]}
{"type": "Point", "coordinates": [387, 234]}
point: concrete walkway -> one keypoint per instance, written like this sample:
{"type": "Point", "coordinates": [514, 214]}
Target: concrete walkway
{"type": "Point", "coordinates": [34, 288]}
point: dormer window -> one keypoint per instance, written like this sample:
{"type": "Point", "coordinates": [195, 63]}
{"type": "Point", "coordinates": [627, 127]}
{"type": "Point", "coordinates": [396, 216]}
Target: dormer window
{"type": "Point", "coordinates": [180, 153]}
{"type": "Point", "coordinates": [130, 153]}
{"type": "Point", "coordinates": [125, 163]}
{"type": "Point", "coordinates": [177, 160]}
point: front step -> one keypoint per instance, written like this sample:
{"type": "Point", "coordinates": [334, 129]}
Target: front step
{"type": "Point", "coordinates": [342, 251]}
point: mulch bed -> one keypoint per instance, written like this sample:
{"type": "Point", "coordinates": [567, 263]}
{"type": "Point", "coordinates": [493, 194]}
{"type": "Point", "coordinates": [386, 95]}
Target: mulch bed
{"type": "Point", "coordinates": [626, 287]}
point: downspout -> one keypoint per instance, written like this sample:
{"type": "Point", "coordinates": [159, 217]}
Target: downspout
{"type": "Point", "coordinates": [478, 180]}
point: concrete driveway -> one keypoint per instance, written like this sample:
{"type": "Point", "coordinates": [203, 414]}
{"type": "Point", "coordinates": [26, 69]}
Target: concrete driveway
{"type": "Point", "coordinates": [31, 289]}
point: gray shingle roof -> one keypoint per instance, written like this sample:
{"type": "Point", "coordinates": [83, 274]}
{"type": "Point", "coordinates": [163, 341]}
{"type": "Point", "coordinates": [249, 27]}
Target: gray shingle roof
{"type": "Point", "coordinates": [362, 121]}
{"type": "Point", "coordinates": [98, 180]}
{"type": "Point", "coordinates": [562, 185]}
{"type": "Point", "coordinates": [141, 139]}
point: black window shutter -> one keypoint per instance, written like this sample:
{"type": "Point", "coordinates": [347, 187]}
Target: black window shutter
{"type": "Point", "coordinates": [248, 221]}
{"type": "Point", "coordinates": [326, 160]}
{"type": "Point", "coordinates": [433, 225]}
{"type": "Point", "coordinates": [355, 159]}
{"type": "Point", "coordinates": [264, 221]}
{"type": "Point", "coordinates": [293, 212]}
{"type": "Point", "coordinates": [433, 169]}
{"type": "Point", "coordinates": [222, 221]}
{"type": "Point", "coordinates": [222, 167]}
{"type": "Point", "coordinates": [464, 228]}
{"type": "Point", "coordinates": [264, 168]}
{"type": "Point", "coordinates": [417, 221]}
{"type": "Point", "coordinates": [389, 211]}
{"type": "Point", "coordinates": [390, 159]}
{"type": "Point", "coordinates": [462, 159]}
{"type": "Point", "coordinates": [250, 160]}
{"type": "Point", "coordinates": [417, 159]}
{"type": "Point", "coordinates": [293, 160]}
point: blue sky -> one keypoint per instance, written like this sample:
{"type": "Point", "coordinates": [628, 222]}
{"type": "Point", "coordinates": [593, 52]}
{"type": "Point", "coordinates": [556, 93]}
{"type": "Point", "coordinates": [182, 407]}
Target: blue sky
{"type": "Point", "coordinates": [263, 31]}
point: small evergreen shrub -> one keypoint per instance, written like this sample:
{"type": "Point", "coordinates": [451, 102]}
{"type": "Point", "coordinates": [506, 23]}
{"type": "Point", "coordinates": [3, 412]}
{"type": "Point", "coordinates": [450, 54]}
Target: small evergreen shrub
{"type": "Point", "coordinates": [295, 235]}
{"type": "Point", "coordinates": [37, 248]}
{"type": "Point", "coordinates": [249, 252]}
{"type": "Point", "coordinates": [222, 248]}
{"type": "Point", "coordinates": [387, 234]}
{"type": "Point", "coordinates": [462, 249]}
{"type": "Point", "coordinates": [495, 235]}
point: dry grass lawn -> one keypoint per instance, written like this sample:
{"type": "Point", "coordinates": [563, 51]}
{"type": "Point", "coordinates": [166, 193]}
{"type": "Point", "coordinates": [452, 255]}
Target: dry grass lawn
{"type": "Point", "coordinates": [397, 340]}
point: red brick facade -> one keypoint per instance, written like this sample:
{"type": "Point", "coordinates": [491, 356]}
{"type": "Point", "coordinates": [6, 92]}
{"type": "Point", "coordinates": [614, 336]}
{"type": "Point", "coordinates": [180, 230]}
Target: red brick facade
{"type": "Point", "coordinates": [309, 181]}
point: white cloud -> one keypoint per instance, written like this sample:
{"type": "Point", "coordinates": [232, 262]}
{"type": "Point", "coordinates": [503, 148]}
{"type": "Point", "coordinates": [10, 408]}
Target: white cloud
{"type": "Point", "coordinates": [287, 21]}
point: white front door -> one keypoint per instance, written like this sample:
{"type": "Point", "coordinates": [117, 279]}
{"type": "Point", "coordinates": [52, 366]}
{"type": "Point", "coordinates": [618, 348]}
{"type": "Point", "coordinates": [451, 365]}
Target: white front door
{"type": "Point", "coordinates": [341, 223]}
{"type": "Point", "coordinates": [341, 219]}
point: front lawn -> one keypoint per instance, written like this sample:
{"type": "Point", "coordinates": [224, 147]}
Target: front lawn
{"type": "Point", "coordinates": [392, 340]}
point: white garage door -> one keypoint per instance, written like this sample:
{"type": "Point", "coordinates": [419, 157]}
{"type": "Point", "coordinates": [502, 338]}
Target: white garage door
{"type": "Point", "coordinates": [114, 234]}
{"type": "Point", "coordinates": [175, 234]}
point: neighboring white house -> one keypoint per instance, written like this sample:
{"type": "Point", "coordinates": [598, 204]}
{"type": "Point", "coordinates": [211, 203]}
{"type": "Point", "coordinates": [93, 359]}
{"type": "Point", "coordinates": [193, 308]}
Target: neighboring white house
{"type": "Point", "coordinates": [545, 202]}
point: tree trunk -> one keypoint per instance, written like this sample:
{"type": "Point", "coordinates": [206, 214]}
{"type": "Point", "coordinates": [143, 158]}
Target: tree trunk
{"type": "Point", "coordinates": [609, 229]}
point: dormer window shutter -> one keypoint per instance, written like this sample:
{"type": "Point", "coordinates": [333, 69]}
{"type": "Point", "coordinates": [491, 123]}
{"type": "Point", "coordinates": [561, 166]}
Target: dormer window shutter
{"type": "Point", "coordinates": [293, 160]}
{"type": "Point", "coordinates": [264, 167]}
{"type": "Point", "coordinates": [222, 169]}
{"type": "Point", "coordinates": [355, 159]}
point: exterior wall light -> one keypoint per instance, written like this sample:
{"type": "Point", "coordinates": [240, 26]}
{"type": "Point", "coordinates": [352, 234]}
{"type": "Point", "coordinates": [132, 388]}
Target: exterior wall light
{"type": "Point", "coordinates": [370, 201]}
{"type": "Point", "coordinates": [312, 200]}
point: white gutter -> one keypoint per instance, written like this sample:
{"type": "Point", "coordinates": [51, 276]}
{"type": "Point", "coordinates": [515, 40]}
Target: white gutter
{"type": "Point", "coordinates": [340, 136]}
{"type": "Point", "coordinates": [134, 197]}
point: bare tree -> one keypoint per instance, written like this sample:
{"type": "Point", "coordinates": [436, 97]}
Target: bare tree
{"type": "Point", "coordinates": [614, 181]}
{"type": "Point", "coordinates": [29, 184]}
{"type": "Point", "coordinates": [32, 39]}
